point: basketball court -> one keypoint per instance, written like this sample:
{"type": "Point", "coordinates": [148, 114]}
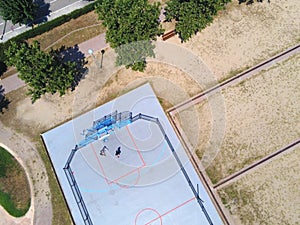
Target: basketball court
{"type": "Point", "coordinates": [150, 182]}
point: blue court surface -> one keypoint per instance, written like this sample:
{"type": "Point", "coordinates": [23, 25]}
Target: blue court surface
{"type": "Point", "coordinates": [150, 182]}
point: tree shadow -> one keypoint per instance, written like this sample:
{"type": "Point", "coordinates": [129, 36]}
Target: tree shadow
{"type": "Point", "coordinates": [72, 54]}
{"type": "Point", "coordinates": [4, 102]}
{"type": "Point", "coordinates": [43, 11]}
{"type": "Point", "coordinates": [250, 2]}
{"type": "Point", "coordinates": [3, 68]}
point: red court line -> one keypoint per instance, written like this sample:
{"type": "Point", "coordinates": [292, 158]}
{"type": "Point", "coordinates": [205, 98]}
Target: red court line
{"type": "Point", "coordinates": [182, 204]}
{"type": "Point", "coordinates": [149, 209]}
{"type": "Point", "coordinates": [139, 152]}
{"type": "Point", "coordinates": [101, 167]}
{"type": "Point", "coordinates": [126, 174]}
{"type": "Point", "coordinates": [131, 185]}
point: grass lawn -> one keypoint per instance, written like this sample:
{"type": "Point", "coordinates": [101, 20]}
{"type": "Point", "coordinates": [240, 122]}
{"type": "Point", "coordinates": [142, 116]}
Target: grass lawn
{"type": "Point", "coordinates": [13, 181]}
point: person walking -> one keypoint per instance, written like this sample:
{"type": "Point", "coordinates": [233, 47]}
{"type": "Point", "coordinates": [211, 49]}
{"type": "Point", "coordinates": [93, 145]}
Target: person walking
{"type": "Point", "coordinates": [118, 152]}
{"type": "Point", "coordinates": [102, 151]}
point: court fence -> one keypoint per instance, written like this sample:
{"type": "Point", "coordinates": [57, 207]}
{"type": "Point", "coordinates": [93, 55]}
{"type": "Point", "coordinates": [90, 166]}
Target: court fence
{"type": "Point", "coordinates": [107, 124]}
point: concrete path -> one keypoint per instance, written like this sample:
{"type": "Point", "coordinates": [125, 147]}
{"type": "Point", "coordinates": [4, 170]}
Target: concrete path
{"type": "Point", "coordinates": [96, 44]}
{"type": "Point", "coordinates": [11, 83]}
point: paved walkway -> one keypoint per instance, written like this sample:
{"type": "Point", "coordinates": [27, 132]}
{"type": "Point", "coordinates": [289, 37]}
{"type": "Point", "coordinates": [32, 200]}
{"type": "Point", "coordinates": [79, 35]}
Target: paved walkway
{"type": "Point", "coordinates": [96, 44]}
{"type": "Point", "coordinates": [11, 83]}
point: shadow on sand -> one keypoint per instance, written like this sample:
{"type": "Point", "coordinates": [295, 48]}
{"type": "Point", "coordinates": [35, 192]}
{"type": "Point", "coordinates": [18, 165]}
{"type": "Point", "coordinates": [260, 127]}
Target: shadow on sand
{"type": "Point", "coordinates": [72, 54]}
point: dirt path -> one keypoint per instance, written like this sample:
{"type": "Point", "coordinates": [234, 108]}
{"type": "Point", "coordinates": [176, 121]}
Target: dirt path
{"type": "Point", "coordinates": [40, 211]}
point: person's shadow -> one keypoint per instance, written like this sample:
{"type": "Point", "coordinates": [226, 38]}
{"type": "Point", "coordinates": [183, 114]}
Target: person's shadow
{"type": "Point", "coordinates": [72, 54]}
{"type": "Point", "coordinates": [4, 102]}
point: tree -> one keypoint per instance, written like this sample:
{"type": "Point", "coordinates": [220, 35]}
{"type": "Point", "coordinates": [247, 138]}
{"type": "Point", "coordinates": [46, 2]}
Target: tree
{"type": "Point", "coordinates": [192, 16]}
{"type": "Point", "coordinates": [128, 22]}
{"type": "Point", "coordinates": [133, 55]}
{"type": "Point", "coordinates": [43, 72]}
{"type": "Point", "coordinates": [18, 11]}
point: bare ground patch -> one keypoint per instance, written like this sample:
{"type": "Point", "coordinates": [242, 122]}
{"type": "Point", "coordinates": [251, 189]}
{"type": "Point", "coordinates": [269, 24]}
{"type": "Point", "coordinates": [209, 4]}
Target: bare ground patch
{"type": "Point", "coordinates": [243, 35]}
{"type": "Point", "coordinates": [171, 85]}
{"type": "Point", "coordinates": [268, 195]}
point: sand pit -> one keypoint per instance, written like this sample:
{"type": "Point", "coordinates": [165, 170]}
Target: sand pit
{"type": "Point", "coordinates": [267, 195]}
{"type": "Point", "coordinates": [262, 116]}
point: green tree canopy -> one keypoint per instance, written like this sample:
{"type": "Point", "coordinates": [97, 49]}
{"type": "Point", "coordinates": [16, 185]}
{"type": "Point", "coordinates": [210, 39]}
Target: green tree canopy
{"type": "Point", "coordinates": [192, 15]}
{"type": "Point", "coordinates": [18, 11]}
{"type": "Point", "coordinates": [43, 72]}
{"type": "Point", "coordinates": [128, 22]}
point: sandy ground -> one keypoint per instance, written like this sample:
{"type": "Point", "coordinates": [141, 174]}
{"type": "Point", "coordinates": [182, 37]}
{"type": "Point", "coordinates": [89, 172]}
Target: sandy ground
{"type": "Point", "coordinates": [267, 195]}
{"type": "Point", "coordinates": [239, 37]}
{"type": "Point", "coordinates": [261, 116]}
{"type": "Point", "coordinates": [52, 110]}
{"type": "Point", "coordinates": [169, 88]}
{"type": "Point", "coordinates": [242, 36]}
